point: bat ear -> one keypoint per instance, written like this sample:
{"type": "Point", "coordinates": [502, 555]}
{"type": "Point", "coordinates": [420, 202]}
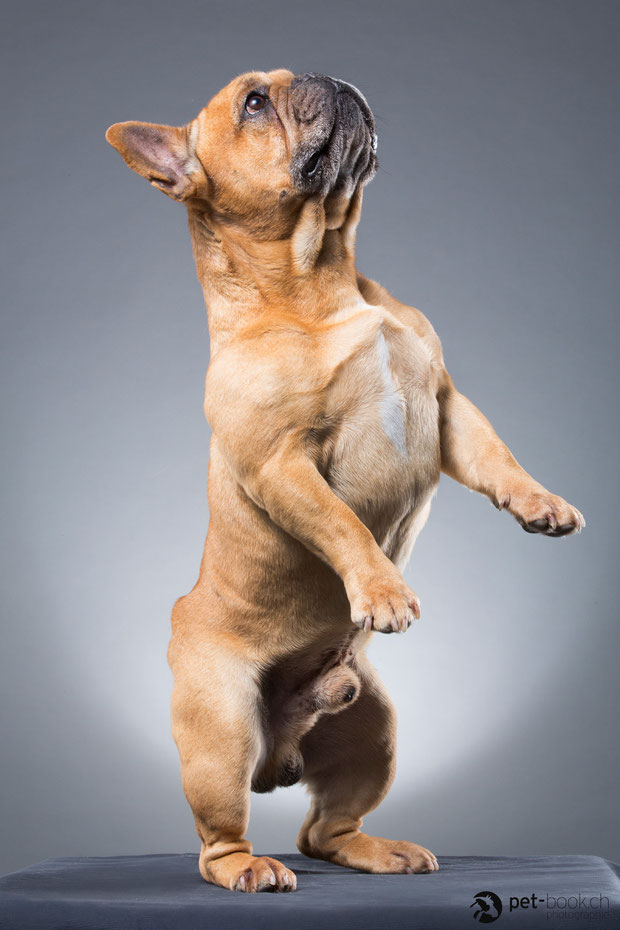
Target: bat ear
{"type": "Point", "coordinates": [163, 155]}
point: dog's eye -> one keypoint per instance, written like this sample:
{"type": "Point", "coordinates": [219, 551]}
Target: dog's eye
{"type": "Point", "coordinates": [255, 102]}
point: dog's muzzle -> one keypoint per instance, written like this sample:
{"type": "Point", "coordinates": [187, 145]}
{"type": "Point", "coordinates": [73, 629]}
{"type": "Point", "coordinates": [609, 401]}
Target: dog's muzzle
{"type": "Point", "coordinates": [339, 138]}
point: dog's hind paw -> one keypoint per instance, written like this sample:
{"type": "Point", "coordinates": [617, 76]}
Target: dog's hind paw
{"type": "Point", "coordinates": [263, 874]}
{"type": "Point", "coordinates": [381, 856]}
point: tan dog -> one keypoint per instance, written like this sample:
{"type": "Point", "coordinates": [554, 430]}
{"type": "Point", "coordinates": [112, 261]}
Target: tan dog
{"type": "Point", "coordinates": [332, 416]}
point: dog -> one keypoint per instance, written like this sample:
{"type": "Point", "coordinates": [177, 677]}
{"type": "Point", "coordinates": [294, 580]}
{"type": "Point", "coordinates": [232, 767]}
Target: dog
{"type": "Point", "coordinates": [332, 415]}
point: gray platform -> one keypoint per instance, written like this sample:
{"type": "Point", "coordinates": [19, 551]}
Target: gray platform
{"type": "Point", "coordinates": [166, 892]}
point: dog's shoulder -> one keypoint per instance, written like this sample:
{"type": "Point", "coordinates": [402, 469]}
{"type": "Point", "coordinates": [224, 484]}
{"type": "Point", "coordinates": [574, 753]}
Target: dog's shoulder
{"type": "Point", "coordinates": [375, 293]}
{"type": "Point", "coordinates": [262, 381]}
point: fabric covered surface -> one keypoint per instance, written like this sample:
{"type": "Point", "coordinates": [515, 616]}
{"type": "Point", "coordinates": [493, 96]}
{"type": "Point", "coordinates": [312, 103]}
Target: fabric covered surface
{"type": "Point", "coordinates": [166, 892]}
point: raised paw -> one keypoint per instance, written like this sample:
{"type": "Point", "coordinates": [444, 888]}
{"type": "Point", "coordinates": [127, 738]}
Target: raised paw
{"type": "Point", "coordinates": [262, 873]}
{"type": "Point", "coordinates": [388, 606]}
{"type": "Point", "coordinates": [539, 511]}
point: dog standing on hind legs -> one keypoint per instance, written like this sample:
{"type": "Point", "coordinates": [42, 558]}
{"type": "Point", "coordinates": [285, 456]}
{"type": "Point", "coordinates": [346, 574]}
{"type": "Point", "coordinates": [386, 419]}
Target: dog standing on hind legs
{"type": "Point", "coordinates": [332, 416]}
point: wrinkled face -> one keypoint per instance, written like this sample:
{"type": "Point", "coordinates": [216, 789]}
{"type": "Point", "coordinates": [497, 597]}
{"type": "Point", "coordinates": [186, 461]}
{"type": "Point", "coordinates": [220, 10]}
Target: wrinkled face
{"type": "Point", "coordinates": [277, 134]}
{"type": "Point", "coordinates": [264, 143]}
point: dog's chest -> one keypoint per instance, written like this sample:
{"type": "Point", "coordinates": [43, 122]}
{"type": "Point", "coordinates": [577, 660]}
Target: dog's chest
{"type": "Point", "coordinates": [382, 437]}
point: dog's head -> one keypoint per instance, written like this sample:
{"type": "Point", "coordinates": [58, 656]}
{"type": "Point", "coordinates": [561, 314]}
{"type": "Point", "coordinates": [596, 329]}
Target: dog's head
{"type": "Point", "coordinates": [263, 145]}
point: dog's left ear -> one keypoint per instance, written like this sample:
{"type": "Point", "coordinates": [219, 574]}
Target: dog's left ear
{"type": "Point", "coordinates": [164, 155]}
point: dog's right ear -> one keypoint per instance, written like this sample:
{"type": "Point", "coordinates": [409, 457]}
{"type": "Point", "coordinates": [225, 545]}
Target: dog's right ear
{"type": "Point", "coordinates": [164, 155]}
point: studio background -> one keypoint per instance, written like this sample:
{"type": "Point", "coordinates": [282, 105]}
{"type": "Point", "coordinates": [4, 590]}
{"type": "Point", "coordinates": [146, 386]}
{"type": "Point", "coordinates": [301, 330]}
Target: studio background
{"type": "Point", "coordinates": [494, 212]}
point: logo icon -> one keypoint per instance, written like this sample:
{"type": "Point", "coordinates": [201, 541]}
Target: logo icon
{"type": "Point", "coordinates": [488, 907]}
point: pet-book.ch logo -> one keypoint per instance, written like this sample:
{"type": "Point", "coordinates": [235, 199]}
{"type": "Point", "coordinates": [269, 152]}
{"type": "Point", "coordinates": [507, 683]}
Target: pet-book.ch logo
{"type": "Point", "coordinates": [487, 906]}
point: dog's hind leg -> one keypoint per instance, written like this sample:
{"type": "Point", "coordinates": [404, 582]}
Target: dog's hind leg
{"type": "Point", "coordinates": [216, 710]}
{"type": "Point", "coordinates": [349, 762]}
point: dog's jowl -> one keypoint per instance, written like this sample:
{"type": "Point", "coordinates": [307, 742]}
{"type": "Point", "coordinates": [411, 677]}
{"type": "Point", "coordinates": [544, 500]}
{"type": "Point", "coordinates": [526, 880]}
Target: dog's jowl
{"type": "Point", "coordinates": [332, 416]}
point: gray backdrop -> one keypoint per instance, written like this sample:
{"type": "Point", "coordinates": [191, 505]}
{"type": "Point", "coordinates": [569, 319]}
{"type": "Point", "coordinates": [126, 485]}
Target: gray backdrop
{"type": "Point", "coordinates": [494, 213]}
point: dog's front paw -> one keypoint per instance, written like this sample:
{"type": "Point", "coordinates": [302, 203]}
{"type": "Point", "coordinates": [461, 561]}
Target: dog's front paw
{"type": "Point", "coordinates": [539, 511]}
{"type": "Point", "coordinates": [386, 605]}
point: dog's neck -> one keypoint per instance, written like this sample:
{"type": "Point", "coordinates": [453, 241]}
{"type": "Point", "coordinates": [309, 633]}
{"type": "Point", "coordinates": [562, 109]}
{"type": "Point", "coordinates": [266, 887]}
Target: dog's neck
{"type": "Point", "coordinates": [248, 279]}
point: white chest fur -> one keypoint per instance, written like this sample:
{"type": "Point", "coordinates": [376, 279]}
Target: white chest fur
{"type": "Point", "coordinates": [392, 401]}
{"type": "Point", "coordinates": [384, 448]}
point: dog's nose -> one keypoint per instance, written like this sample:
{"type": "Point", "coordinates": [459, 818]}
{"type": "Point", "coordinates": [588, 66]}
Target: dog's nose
{"type": "Point", "coordinates": [310, 93]}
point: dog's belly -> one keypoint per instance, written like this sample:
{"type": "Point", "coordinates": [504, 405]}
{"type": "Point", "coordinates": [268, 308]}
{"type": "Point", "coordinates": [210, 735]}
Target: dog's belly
{"type": "Point", "coordinates": [374, 432]}
{"type": "Point", "coordinates": [383, 458]}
